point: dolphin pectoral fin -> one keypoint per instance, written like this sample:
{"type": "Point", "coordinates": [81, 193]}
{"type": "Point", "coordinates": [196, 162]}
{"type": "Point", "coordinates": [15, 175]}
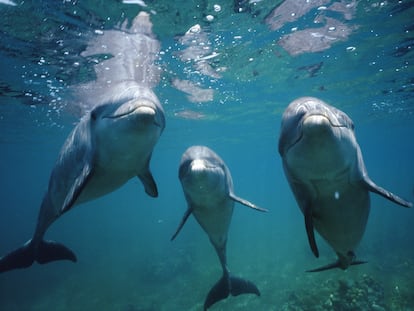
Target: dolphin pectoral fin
{"type": "Point", "coordinates": [181, 225]}
{"type": "Point", "coordinates": [358, 262]}
{"type": "Point", "coordinates": [343, 262]}
{"type": "Point", "coordinates": [77, 187]}
{"type": "Point", "coordinates": [385, 193]}
{"type": "Point", "coordinates": [303, 196]}
{"type": "Point", "coordinates": [24, 256]}
{"type": "Point", "coordinates": [149, 183]}
{"type": "Point", "coordinates": [246, 203]}
{"type": "Point", "coordinates": [310, 231]}
{"type": "Point", "coordinates": [326, 267]}
{"type": "Point", "coordinates": [336, 264]}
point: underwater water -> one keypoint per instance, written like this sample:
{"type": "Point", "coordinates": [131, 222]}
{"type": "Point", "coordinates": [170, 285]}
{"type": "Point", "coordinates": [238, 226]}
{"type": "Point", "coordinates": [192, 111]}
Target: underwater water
{"type": "Point", "coordinates": [126, 261]}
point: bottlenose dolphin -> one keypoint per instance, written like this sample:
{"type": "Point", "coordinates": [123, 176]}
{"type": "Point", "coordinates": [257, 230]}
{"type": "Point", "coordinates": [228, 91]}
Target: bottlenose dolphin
{"type": "Point", "coordinates": [208, 189]}
{"type": "Point", "coordinates": [110, 145]}
{"type": "Point", "coordinates": [326, 172]}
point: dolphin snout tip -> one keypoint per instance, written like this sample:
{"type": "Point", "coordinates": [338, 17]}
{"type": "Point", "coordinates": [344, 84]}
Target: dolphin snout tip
{"type": "Point", "coordinates": [316, 123]}
{"type": "Point", "coordinates": [147, 114]}
{"type": "Point", "coordinates": [198, 165]}
{"type": "Point", "coordinates": [144, 110]}
{"type": "Point", "coordinates": [316, 119]}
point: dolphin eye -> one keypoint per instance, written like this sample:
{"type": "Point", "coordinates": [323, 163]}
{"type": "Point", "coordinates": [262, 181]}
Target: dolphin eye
{"type": "Point", "coordinates": [346, 121]}
{"type": "Point", "coordinates": [96, 112]}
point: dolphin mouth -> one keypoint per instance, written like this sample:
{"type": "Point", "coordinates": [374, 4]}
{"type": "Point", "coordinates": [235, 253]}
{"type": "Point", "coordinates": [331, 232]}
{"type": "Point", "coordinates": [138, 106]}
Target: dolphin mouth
{"type": "Point", "coordinates": [199, 165]}
{"type": "Point", "coordinates": [120, 115]}
{"type": "Point", "coordinates": [144, 113]}
{"type": "Point", "coordinates": [320, 119]}
{"type": "Point", "coordinates": [125, 107]}
{"type": "Point", "coordinates": [145, 110]}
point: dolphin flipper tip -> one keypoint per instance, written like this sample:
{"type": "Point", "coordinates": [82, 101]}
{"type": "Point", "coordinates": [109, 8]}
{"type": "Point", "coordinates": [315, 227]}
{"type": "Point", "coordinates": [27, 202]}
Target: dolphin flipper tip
{"type": "Point", "coordinates": [182, 223]}
{"type": "Point", "coordinates": [247, 203]}
{"type": "Point", "coordinates": [371, 186]}
{"type": "Point", "coordinates": [310, 232]}
{"type": "Point", "coordinates": [149, 183]}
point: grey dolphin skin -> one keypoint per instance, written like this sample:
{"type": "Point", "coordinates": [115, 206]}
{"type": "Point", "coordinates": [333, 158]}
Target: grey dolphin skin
{"type": "Point", "coordinates": [326, 172]}
{"type": "Point", "coordinates": [208, 189]}
{"type": "Point", "coordinates": [110, 145]}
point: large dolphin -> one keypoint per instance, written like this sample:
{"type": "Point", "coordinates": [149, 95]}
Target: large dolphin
{"type": "Point", "coordinates": [326, 172]}
{"type": "Point", "coordinates": [110, 145]}
{"type": "Point", "coordinates": [208, 189]}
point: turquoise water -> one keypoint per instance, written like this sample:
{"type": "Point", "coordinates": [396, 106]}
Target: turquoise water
{"type": "Point", "coordinates": [126, 261]}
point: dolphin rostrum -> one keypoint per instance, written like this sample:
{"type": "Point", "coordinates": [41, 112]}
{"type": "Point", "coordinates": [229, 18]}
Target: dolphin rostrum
{"type": "Point", "coordinates": [110, 145]}
{"type": "Point", "coordinates": [208, 189]}
{"type": "Point", "coordinates": [326, 172]}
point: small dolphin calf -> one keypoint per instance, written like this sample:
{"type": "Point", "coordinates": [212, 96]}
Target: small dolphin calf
{"type": "Point", "coordinates": [325, 170]}
{"type": "Point", "coordinates": [208, 189]}
{"type": "Point", "coordinates": [110, 145]}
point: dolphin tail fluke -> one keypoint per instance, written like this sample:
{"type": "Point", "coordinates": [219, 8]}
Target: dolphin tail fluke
{"type": "Point", "coordinates": [336, 265]}
{"type": "Point", "coordinates": [229, 285]}
{"type": "Point", "coordinates": [51, 251]}
{"type": "Point", "coordinates": [24, 256]}
{"type": "Point", "coordinates": [241, 286]}
{"type": "Point", "coordinates": [220, 291]}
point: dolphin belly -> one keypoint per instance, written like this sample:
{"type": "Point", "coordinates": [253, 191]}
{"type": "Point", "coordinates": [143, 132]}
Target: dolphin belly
{"type": "Point", "coordinates": [341, 215]}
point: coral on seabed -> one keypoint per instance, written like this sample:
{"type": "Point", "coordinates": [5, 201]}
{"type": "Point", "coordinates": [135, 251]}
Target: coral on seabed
{"type": "Point", "coordinates": [365, 294]}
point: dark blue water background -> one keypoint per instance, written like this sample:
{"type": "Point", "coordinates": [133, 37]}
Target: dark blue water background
{"type": "Point", "coordinates": [125, 258]}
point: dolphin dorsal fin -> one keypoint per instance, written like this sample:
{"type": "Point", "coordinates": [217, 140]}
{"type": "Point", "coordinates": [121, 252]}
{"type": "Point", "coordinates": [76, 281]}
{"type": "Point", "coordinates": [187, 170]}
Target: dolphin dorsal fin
{"type": "Point", "coordinates": [246, 203]}
{"type": "Point", "coordinates": [182, 223]}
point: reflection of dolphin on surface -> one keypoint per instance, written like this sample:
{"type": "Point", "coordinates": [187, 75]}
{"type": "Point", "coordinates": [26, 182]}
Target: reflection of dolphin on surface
{"type": "Point", "coordinates": [208, 189]}
{"type": "Point", "coordinates": [110, 145]}
{"type": "Point", "coordinates": [315, 39]}
{"type": "Point", "coordinates": [326, 172]}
